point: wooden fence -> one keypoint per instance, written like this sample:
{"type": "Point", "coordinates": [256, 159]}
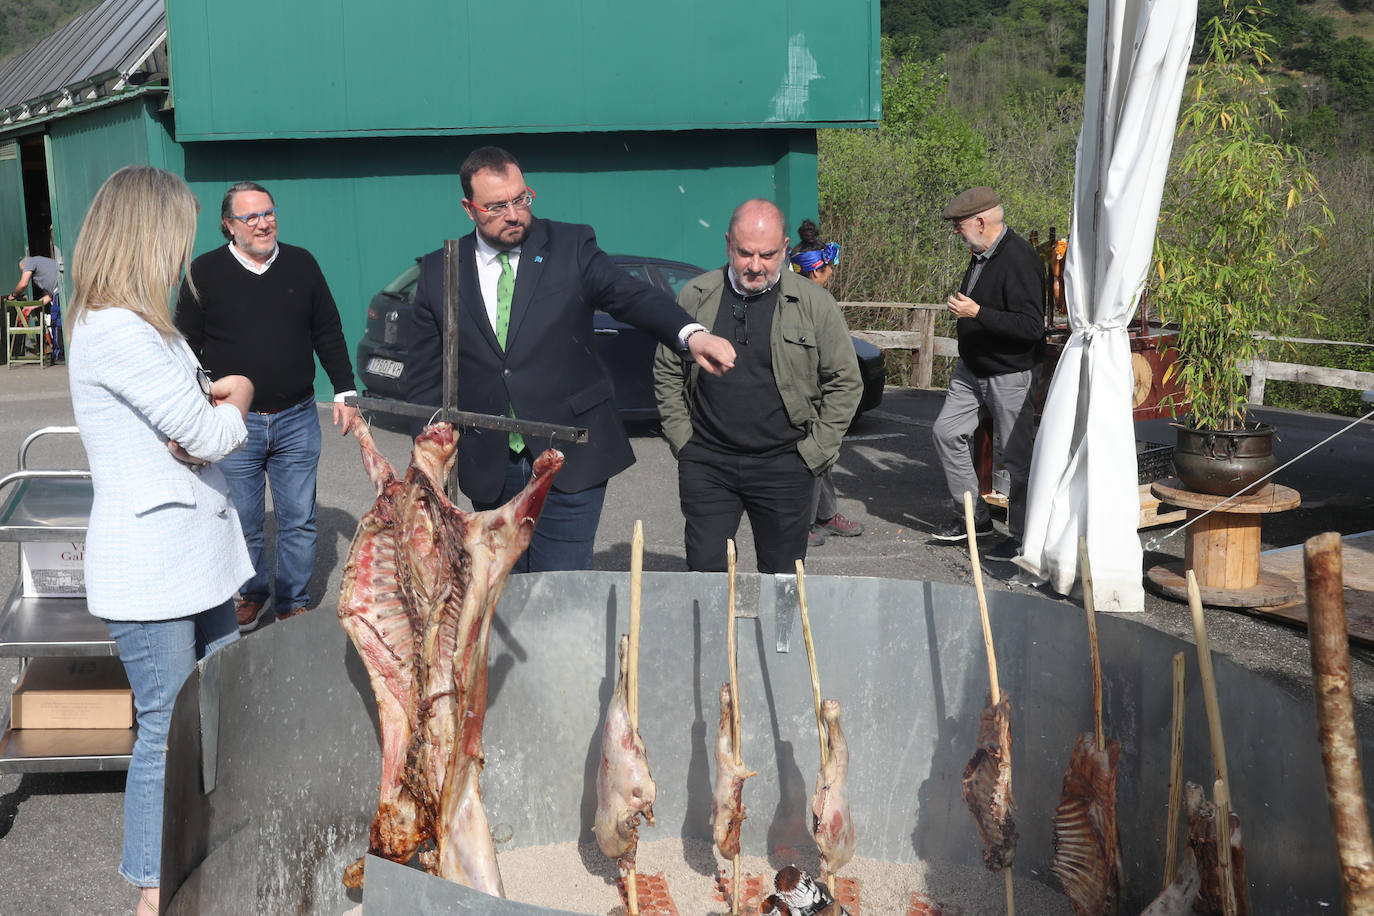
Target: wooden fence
{"type": "Point", "coordinates": [919, 337]}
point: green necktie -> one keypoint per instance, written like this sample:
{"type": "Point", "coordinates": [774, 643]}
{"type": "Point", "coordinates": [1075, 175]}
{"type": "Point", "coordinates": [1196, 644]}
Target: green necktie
{"type": "Point", "coordinates": [505, 291]}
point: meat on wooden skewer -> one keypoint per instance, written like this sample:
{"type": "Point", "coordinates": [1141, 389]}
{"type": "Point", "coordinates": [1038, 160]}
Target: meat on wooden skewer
{"type": "Point", "coordinates": [987, 785]}
{"type": "Point", "coordinates": [419, 591]}
{"type": "Point", "coordinates": [727, 802]}
{"type": "Point", "coordinates": [1087, 851]}
{"type": "Point", "coordinates": [1202, 833]}
{"type": "Point", "coordinates": [831, 822]}
{"type": "Point", "coordinates": [625, 789]}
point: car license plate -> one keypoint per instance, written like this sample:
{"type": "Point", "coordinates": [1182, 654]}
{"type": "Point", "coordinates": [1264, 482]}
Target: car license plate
{"type": "Point", "coordinates": [388, 368]}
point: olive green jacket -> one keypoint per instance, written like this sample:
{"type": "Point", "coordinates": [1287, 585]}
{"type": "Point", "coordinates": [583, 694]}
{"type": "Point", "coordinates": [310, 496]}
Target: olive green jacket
{"type": "Point", "coordinates": [814, 364]}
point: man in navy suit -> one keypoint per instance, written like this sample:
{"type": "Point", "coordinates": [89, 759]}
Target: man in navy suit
{"type": "Point", "coordinates": [526, 349]}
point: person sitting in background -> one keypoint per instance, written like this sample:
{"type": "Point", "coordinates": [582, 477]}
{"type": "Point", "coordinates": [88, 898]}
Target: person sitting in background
{"type": "Point", "coordinates": [816, 261]}
{"type": "Point", "coordinates": [164, 552]}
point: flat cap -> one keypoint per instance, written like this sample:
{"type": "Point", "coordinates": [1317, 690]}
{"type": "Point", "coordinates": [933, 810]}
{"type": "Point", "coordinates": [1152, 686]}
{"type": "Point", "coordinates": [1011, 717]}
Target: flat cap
{"type": "Point", "coordinates": [970, 203]}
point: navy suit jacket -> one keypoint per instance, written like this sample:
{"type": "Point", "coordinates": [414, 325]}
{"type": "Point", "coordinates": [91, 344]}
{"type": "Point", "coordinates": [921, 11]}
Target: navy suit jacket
{"type": "Point", "coordinates": [549, 370]}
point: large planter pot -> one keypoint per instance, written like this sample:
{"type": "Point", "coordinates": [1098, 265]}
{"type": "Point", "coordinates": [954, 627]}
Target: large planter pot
{"type": "Point", "coordinates": [1223, 462]}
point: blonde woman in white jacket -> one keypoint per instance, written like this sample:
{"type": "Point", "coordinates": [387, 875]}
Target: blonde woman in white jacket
{"type": "Point", "coordinates": [164, 552]}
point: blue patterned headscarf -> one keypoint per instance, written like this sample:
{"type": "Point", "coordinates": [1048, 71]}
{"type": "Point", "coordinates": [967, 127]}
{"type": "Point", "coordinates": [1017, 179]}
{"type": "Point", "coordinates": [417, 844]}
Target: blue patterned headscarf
{"type": "Point", "coordinates": [803, 262]}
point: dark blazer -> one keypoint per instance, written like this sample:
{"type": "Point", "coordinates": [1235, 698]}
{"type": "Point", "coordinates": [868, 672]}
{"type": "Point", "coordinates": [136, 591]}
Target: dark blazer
{"type": "Point", "coordinates": [550, 370]}
{"type": "Point", "coordinates": [1009, 333]}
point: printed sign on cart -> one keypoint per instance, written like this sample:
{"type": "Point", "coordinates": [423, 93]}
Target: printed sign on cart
{"type": "Point", "coordinates": [53, 569]}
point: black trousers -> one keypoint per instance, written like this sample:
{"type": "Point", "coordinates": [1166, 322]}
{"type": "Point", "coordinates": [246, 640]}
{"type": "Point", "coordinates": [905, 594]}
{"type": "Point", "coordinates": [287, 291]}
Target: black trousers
{"type": "Point", "coordinates": [715, 491]}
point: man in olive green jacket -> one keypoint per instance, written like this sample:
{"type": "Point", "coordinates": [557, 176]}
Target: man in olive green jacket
{"type": "Point", "coordinates": [754, 440]}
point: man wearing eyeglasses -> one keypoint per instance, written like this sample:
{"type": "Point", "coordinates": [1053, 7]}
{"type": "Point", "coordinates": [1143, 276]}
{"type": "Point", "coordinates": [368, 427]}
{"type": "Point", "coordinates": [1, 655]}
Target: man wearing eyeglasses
{"type": "Point", "coordinates": [755, 440]}
{"type": "Point", "coordinates": [263, 309]}
{"type": "Point", "coordinates": [1001, 336]}
{"type": "Point", "coordinates": [526, 348]}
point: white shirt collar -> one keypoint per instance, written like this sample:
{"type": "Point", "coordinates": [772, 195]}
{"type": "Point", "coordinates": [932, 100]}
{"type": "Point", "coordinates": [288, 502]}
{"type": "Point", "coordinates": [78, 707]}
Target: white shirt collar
{"type": "Point", "coordinates": [253, 266]}
{"type": "Point", "coordinates": [486, 253]}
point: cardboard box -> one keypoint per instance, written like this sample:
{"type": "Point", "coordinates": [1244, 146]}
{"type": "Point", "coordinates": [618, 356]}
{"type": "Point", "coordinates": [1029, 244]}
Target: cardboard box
{"type": "Point", "coordinates": [53, 569]}
{"type": "Point", "coordinates": [73, 692]}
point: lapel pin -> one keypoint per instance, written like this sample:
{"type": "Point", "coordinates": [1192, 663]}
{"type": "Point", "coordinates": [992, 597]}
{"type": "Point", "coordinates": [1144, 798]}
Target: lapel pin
{"type": "Point", "coordinates": [539, 259]}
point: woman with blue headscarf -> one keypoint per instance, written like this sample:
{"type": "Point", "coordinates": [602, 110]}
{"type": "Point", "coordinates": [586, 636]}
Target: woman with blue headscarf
{"type": "Point", "coordinates": [816, 261]}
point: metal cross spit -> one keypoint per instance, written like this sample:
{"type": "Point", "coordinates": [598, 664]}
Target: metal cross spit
{"type": "Point", "coordinates": [449, 411]}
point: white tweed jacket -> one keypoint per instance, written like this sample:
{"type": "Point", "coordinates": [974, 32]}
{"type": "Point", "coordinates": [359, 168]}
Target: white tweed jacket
{"type": "Point", "coordinates": [164, 540]}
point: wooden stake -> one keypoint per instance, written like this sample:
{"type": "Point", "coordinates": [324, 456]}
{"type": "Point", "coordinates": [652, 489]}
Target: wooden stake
{"type": "Point", "coordinates": [734, 697]}
{"type": "Point", "coordinates": [1209, 682]}
{"type": "Point", "coordinates": [994, 689]}
{"type": "Point", "coordinates": [1340, 745]}
{"type": "Point", "coordinates": [1085, 572]}
{"type": "Point", "coordinates": [811, 658]}
{"type": "Point", "coordinates": [636, 590]}
{"type": "Point", "coordinates": [1222, 799]}
{"type": "Point", "coordinates": [632, 674]}
{"type": "Point", "coordinates": [1175, 776]}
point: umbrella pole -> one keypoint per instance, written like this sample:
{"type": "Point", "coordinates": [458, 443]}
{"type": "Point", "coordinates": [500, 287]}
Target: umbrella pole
{"type": "Point", "coordinates": [994, 689]}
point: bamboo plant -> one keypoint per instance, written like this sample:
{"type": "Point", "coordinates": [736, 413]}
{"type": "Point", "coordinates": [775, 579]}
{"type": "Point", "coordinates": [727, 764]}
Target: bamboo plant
{"type": "Point", "coordinates": [1242, 211]}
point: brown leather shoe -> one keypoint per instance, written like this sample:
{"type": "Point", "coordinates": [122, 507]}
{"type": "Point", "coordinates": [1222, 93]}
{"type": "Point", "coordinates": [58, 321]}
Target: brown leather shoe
{"type": "Point", "coordinates": [248, 613]}
{"type": "Point", "coordinates": [294, 612]}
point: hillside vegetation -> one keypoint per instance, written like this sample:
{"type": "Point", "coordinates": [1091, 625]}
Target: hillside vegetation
{"type": "Point", "coordinates": [991, 92]}
{"type": "Point", "coordinates": [23, 22]}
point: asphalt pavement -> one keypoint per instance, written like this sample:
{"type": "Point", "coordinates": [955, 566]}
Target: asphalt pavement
{"type": "Point", "coordinates": [60, 833]}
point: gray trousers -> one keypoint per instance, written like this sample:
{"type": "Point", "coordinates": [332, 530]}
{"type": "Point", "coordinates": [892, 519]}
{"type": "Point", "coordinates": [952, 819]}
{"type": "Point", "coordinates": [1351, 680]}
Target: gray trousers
{"type": "Point", "coordinates": [824, 504]}
{"type": "Point", "coordinates": [1007, 398]}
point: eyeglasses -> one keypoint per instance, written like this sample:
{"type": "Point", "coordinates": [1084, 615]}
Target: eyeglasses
{"type": "Point", "coordinates": [520, 203]}
{"type": "Point", "coordinates": [252, 219]}
{"type": "Point", "coordinates": [203, 381]}
{"type": "Point", "coordinates": [741, 312]}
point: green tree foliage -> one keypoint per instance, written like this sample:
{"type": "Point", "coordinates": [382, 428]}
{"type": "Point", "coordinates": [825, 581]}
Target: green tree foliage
{"type": "Point", "coordinates": [881, 191]}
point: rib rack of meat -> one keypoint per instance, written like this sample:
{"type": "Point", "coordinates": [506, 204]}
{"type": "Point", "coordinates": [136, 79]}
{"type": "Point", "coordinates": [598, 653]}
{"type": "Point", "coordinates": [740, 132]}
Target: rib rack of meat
{"type": "Point", "coordinates": [831, 822]}
{"type": "Point", "coordinates": [987, 785]}
{"type": "Point", "coordinates": [624, 787]}
{"type": "Point", "coordinates": [419, 589]}
{"type": "Point", "coordinates": [727, 803]}
{"type": "Point", "coordinates": [1087, 853]}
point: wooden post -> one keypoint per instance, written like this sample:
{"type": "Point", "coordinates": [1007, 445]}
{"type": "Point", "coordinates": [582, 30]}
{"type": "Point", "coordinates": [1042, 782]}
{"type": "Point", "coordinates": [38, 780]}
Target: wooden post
{"type": "Point", "coordinates": [1340, 745]}
{"type": "Point", "coordinates": [923, 358]}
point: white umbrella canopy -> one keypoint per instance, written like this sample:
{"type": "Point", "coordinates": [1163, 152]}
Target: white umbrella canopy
{"type": "Point", "coordinates": [1083, 474]}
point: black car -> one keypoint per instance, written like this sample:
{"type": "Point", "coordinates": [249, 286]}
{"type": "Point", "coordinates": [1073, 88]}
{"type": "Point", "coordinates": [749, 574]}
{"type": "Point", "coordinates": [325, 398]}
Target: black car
{"type": "Point", "coordinates": [626, 351]}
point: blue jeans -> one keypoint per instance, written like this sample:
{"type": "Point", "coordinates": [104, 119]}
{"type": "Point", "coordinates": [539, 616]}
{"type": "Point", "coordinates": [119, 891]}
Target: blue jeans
{"type": "Point", "coordinates": [565, 535]}
{"type": "Point", "coordinates": [284, 448]}
{"type": "Point", "coordinates": [158, 656]}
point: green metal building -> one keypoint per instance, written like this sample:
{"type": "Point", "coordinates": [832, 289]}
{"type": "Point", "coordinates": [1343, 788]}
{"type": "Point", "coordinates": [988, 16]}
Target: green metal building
{"type": "Point", "coordinates": [650, 122]}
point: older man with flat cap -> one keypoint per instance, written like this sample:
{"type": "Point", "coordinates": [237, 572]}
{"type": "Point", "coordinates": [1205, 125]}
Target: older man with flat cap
{"type": "Point", "coordinates": [1001, 337]}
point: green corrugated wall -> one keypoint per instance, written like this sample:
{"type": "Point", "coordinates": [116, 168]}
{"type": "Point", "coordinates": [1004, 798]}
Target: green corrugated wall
{"type": "Point", "coordinates": [350, 67]}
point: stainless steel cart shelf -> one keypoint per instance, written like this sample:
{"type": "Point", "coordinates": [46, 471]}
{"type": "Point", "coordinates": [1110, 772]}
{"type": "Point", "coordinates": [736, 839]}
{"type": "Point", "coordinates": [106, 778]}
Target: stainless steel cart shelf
{"type": "Point", "coordinates": [52, 505]}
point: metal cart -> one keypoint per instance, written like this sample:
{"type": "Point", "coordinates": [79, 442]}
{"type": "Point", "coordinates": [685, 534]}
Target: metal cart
{"type": "Point", "coordinates": [52, 505]}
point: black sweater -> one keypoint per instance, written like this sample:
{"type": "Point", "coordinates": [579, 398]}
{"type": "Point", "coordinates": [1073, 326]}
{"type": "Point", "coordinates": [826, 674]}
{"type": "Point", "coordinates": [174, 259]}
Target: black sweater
{"type": "Point", "coordinates": [267, 327]}
{"type": "Point", "coordinates": [1009, 333]}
